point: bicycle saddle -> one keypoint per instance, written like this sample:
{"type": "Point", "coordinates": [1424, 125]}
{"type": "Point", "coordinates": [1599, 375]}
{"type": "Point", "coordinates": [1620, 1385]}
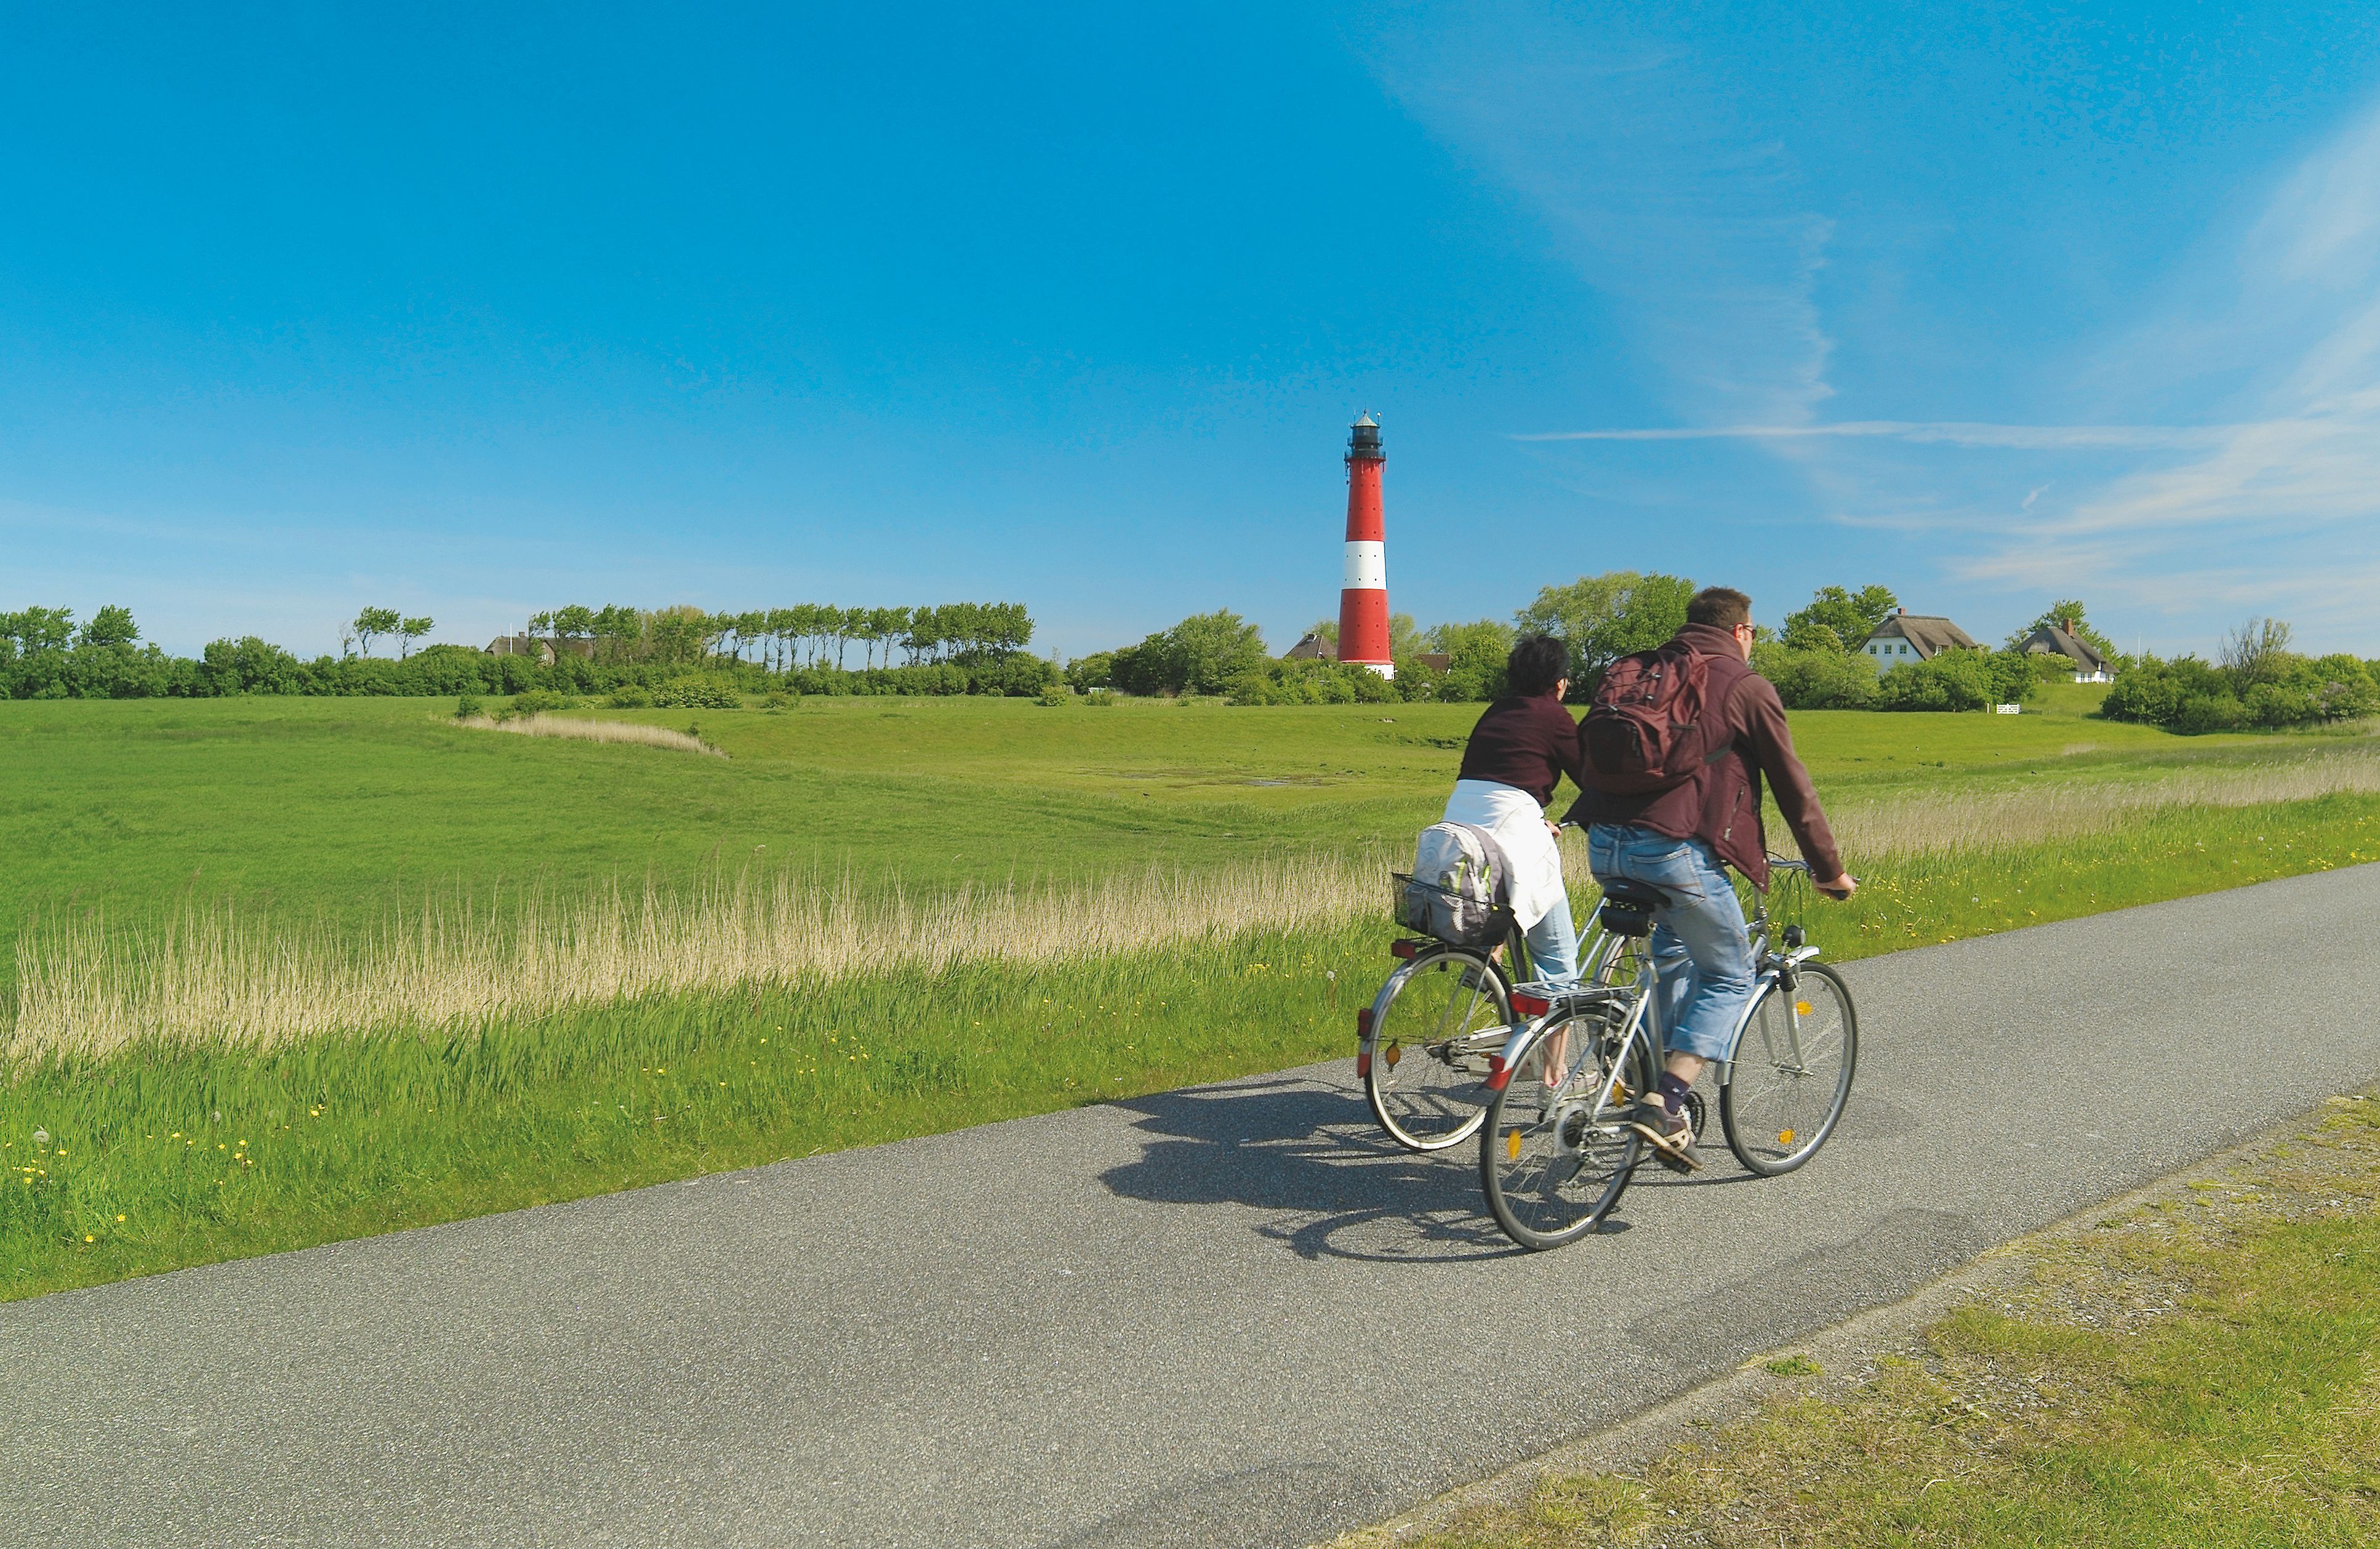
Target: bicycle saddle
{"type": "Point", "coordinates": [1628, 907]}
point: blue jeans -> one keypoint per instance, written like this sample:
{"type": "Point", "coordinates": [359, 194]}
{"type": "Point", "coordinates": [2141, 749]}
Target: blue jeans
{"type": "Point", "coordinates": [1553, 945]}
{"type": "Point", "coordinates": [1699, 943]}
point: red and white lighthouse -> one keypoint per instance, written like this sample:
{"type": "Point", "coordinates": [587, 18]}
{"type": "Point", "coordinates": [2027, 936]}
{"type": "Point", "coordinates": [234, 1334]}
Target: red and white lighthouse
{"type": "Point", "coordinates": [1363, 581]}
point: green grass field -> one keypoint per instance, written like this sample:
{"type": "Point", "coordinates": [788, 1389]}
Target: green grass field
{"type": "Point", "coordinates": [336, 809]}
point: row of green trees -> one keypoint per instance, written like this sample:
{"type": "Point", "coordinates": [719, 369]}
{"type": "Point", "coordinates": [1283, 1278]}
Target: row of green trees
{"type": "Point", "coordinates": [44, 654]}
{"type": "Point", "coordinates": [1815, 658]}
{"type": "Point", "coordinates": [1220, 652]}
{"type": "Point", "coordinates": [809, 635]}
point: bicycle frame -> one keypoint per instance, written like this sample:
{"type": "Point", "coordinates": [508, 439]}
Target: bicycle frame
{"type": "Point", "coordinates": [1645, 990]}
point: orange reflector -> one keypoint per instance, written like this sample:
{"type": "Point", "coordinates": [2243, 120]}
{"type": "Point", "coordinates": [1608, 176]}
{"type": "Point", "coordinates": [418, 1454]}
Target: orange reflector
{"type": "Point", "coordinates": [1802, 1006]}
{"type": "Point", "coordinates": [1404, 949]}
{"type": "Point", "coordinates": [1784, 1137]}
{"type": "Point", "coordinates": [1530, 1006]}
{"type": "Point", "coordinates": [1392, 1053]}
{"type": "Point", "coordinates": [1512, 1144]}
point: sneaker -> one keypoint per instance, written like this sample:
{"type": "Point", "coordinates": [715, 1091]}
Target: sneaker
{"type": "Point", "coordinates": [1672, 1136]}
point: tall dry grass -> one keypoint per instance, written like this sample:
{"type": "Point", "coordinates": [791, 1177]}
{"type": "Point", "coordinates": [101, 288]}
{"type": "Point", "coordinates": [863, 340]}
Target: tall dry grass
{"type": "Point", "coordinates": [593, 731]}
{"type": "Point", "coordinates": [217, 975]}
{"type": "Point", "coordinates": [214, 974]}
{"type": "Point", "coordinates": [1951, 821]}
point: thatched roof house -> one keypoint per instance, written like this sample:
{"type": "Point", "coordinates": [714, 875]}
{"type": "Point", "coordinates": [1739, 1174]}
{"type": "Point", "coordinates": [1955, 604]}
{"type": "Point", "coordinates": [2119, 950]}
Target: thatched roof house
{"type": "Point", "coordinates": [522, 645]}
{"type": "Point", "coordinates": [1913, 637]}
{"type": "Point", "coordinates": [2059, 639]}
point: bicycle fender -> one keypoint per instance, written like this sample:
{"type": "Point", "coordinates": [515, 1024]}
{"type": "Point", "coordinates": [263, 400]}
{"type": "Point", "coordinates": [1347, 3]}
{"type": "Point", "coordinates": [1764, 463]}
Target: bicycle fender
{"type": "Point", "coordinates": [1500, 1066]}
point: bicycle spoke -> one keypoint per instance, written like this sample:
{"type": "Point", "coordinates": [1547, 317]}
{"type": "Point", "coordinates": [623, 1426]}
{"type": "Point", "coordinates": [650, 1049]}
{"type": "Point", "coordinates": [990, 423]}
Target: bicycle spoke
{"type": "Point", "coordinates": [1554, 1158]}
{"type": "Point", "coordinates": [1437, 1021]}
{"type": "Point", "coordinates": [1792, 1072]}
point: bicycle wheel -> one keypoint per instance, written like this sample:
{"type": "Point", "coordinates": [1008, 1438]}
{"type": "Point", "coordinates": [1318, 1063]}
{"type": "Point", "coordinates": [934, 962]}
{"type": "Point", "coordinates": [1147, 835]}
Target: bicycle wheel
{"type": "Point", "coordinates": [1792, 1074]}
{"type": "Point", "coordinates": [1555, 1157]}
{"type": "Point", "coordinates": [1425, 1063]}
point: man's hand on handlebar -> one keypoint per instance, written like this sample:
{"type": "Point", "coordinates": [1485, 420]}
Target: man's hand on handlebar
{"type": "Point", "coordinates": [1840, 889]}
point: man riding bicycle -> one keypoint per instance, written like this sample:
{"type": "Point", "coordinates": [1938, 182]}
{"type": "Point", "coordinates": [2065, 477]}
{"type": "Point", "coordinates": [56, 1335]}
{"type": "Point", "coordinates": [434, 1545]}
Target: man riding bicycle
{"type": "Point", "coordinates": [1679, 838]}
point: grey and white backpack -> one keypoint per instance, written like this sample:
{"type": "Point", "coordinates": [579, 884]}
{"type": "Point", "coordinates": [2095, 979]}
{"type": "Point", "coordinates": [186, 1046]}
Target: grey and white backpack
{"type": "Point", "coordinates": [1459, 888]}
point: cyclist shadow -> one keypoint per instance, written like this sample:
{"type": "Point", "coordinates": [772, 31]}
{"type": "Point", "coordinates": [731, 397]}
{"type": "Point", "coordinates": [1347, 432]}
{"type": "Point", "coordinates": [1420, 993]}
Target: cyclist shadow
{"type": "Point", "coordinates": [1312, 1155]}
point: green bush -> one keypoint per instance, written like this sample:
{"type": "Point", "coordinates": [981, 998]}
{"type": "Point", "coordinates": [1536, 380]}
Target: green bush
{"type": "Point", "coordinates": [1055, 696]}
{"type": "Point", "coordinates": [698, 692]}
{"type": "Point", "coordinates": [2275, 688]}
{"type": "Point", "coordinates": [1948, 680]}
{"type": "Point", "coordinates": [1094, 671]}
{"type": "Point", "coordinates": [2205, 713]}
{"type": "Point", "coordinates": [1816, 680]}
{"type": "Point", "coordinates": [466, 706]}
{"type": "Point", "coordinates": [1475, 656]}
{"type": "Point", "coordinates": [539, 701]}
{"type": "Point", "coordinates": [1303, 682]}
{"type": "Point", "coordinates": [2343, 688]}
{"type": "Point", "coordinates": [631, 696]}
{"type": "Point", "coordinates": [1205, 654]}
{"type": "Point", "coordinates": [2012, 677]}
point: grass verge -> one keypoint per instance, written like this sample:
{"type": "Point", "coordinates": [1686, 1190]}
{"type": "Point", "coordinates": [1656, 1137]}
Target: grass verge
{"type": "Point", "coordinates": [176, 1151]}
{"type": "Point", "coordinates": [2200, 1372]}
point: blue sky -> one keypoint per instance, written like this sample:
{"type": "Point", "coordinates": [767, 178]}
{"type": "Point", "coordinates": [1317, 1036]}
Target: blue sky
{"type": "Point", "coordinates": [474, 310]}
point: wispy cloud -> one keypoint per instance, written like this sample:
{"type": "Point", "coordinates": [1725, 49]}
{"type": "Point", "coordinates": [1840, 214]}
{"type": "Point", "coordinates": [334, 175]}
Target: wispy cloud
{"type": "Point", "coordinates": [1952, 432]}
{"type": "Point", "coordinates": [2282, 508]}
{"type": "Point", "coordinates": [2275, 326]}
{"type": "Point", "coordinates": [1635, 150]}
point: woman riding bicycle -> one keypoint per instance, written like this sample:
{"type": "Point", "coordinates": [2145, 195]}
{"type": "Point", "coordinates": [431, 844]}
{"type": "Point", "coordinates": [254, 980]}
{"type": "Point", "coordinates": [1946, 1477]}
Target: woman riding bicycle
{"type": "Point", "coordinates": [1517, 754]}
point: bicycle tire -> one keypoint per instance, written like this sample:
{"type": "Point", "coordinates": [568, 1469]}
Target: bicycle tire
{"type": "Point", "coordinates": [1552, 1168]}
{"type": "Point", "coordinates": [1425, 1057]}
{"type": "Point", "coordinates": [1776, 1115]}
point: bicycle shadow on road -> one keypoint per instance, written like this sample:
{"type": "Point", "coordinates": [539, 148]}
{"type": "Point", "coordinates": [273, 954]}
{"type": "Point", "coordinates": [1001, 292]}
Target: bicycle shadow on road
{"type": "Point", "coordinates": [1312, 1155]}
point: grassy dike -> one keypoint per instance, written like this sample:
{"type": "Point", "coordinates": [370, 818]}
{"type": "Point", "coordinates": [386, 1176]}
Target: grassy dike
{"type": "Point", "coordinates": [2196, 1373]}
{"type": "Point", "coordinates": [162, 1157]}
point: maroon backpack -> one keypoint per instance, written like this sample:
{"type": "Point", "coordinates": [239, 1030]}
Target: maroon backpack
{"type": "Point", "coordinates": [1645, 731]}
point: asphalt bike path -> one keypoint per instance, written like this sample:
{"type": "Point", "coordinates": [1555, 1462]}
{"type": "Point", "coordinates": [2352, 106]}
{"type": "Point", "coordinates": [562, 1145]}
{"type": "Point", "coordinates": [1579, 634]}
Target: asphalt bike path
{"type": "Point", "coordinates": [1230, 1315]}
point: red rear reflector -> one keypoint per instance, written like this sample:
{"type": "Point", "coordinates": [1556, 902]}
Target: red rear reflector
{"type": "Point", "coordinates": [1531, 1006]}
{"type": "Point", "coordinates": [1364, 1023]}
{"type": "Point", "coordinates": [1404, 949]}
{"type": "Point", "coordinates": [1499, 1075]}
{"type": "Point", "coordinates": [1363, 1063]}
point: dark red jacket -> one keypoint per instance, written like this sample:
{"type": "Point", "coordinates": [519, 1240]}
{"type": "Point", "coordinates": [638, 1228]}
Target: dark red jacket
{"type": "Point", "coordinates": [1526, 742]}
{"type": "Point", "coordinates": [1720, 804]}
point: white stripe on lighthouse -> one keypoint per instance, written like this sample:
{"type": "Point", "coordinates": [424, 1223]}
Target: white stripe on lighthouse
{"type": "Point", "coordinates": [1366, 568]}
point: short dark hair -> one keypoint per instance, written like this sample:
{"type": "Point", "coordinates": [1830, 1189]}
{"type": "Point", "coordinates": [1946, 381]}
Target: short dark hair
{"type": "Point", "coordinates": [1537, 664]}
{"type": "Point", "coordinates": [1723, 605]}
